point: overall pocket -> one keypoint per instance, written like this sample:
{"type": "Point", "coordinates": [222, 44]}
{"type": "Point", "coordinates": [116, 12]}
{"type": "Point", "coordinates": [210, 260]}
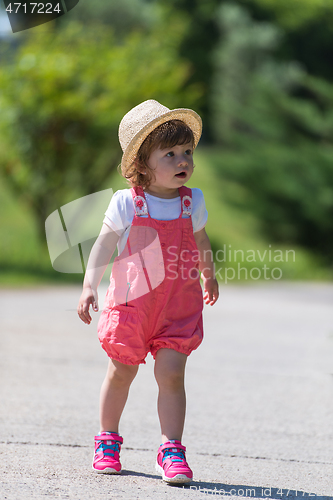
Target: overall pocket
{"type": "Point", "coordinates": [126, 328]}
{"type": "Point", "coordinates": [121, 334]}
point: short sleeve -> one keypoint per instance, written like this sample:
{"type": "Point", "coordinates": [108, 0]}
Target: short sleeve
{"type": "Point", "coordinates": [199, 214]}
{"type": "Point", "coordinates": [120, 212]}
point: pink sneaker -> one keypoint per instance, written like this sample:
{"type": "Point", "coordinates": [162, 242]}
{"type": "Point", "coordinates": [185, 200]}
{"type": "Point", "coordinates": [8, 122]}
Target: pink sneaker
{"type": "Point", "coordinates": [171, 463]}
{"type": "Point", "coordinates": [107, 449]}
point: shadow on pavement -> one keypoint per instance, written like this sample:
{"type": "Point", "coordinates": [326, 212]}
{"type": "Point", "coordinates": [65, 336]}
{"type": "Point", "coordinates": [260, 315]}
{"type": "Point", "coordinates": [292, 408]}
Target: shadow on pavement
{"type": "Point", "coordinates": [125, 472]}
{"type": "Point", "coordinates": [239, 491]}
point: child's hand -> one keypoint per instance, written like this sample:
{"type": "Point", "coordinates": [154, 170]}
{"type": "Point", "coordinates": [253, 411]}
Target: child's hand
{"type": "Point", "coordinates": [88, 297]}
{"type": "Point", "coordinates": [211, 289]}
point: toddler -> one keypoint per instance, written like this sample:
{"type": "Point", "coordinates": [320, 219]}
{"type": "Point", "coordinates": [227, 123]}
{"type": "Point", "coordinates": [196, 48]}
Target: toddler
{"type": "Point", "coordinates": [154, 302]}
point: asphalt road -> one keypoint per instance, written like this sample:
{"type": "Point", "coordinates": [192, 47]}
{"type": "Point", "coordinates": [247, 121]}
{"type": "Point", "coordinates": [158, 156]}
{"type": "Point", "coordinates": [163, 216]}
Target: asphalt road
{"type": "Point", "coordinates": [259, 390]}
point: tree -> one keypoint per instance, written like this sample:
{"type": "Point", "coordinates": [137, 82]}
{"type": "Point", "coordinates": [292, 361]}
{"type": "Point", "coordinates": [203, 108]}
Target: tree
{"type": "Point", "coordinates": [123, 17]}
{"type": "Point", "coordinates": [199, 40]}
{"type": "Point", "coordinates": [276, 123]}
{"type": "Point", "coordinates": [293, 14]}
{"type": "Point", "coordinates": [62, 99]}
{"type": "Point", "coordinates": [308, 31]}
{"type": "Point", "coordinates": [307, 26]}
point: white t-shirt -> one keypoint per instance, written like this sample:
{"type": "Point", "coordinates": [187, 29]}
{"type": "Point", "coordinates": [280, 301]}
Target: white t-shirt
{"type": "Point", "coordinates": [120, 212]}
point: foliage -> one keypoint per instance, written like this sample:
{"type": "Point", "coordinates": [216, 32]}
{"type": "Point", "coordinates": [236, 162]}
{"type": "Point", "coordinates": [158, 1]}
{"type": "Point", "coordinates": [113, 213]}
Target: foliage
{"type": "Point", "coordinates": [62, 99]}
{"type": "Point", "coordinates": [199, 40]}
{"type": "Point", "coordinates": [276, 122]}
{"type": "Point", "coordinates": [260, 76]}
{"type": "Point", "coordinates": [296, 13]}
{"type": "Point", "coordinates": [123, 17]}
{"type": "Point", "coordinates": [308, 31]}
{"type": "Point", "coordinates": [307, 39]}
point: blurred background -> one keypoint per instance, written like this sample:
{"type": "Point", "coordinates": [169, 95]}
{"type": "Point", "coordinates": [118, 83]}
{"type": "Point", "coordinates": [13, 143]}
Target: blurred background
{"type": "Point", "coordinates": [260, 74]}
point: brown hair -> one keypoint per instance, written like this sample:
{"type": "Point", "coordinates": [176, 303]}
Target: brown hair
{"type": "Point", "coordinates": [166, 135]}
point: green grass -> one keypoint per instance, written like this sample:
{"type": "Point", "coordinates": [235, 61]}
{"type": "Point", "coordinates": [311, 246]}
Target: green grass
{"type": "Point", "coordinates": [24, 261]}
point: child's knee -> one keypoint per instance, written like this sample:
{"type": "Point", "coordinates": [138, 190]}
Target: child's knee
{"type": "Point", "coordinates": [169, 375]}
{"type": "Point", "coordinates": [120, 373]}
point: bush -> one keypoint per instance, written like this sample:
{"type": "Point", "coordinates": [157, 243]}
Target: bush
{"type": "Point", "coordinates": [62, 99]}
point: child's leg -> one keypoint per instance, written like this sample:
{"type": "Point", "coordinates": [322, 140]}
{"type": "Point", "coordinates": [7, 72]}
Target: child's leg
{"type": "Point", "coordinates": [114, 393]}
{"type": "Point", "coordinates": [171, 404]}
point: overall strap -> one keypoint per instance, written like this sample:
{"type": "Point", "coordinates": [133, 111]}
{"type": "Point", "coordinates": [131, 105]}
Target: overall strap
{"type": "Point", "coordinates": [186, 204]}
{"type": "Point", "coordinates": [186, 201]}
{"type": "Point", "coordinates": [140, 208]}
{"type": "Point", "coordinates": [139, 201]}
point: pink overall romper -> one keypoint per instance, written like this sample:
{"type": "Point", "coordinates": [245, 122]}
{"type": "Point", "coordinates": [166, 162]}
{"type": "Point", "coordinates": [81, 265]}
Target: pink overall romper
{"type": "Point", "coordinates": [155, 298]}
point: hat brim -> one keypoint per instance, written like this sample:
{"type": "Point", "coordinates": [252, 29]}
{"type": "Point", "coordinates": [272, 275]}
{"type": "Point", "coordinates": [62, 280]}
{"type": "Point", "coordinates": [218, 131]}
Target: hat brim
{"type": "Point", "coordinates": [188, 116]}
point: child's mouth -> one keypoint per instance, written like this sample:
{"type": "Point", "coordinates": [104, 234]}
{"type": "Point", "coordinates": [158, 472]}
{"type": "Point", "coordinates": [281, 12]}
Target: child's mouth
{"type": "Point", "coordinates": [181, 175]}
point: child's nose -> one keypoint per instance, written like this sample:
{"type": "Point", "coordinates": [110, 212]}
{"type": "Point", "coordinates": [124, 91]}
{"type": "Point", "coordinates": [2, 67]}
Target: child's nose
{"type": "Point", "coordinates": [183, 160]}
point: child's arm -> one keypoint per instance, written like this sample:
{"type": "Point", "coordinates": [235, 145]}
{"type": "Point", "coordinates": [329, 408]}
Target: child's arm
{"type": "Point", "coordinates": [98, 261]}
{"type": "Point", "coordinates": [206, 266]}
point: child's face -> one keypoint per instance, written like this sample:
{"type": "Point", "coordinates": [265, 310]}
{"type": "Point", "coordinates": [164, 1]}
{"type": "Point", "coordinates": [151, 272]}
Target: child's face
{"type": "Point", "coordinates": [172, 167]}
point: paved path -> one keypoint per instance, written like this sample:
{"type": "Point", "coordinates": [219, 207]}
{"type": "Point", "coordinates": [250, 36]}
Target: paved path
{"type": "Point", "coordinates": [260, 400]}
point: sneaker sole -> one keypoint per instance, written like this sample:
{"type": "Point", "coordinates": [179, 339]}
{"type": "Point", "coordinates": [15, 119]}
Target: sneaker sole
{"type": "Point", "coordinates": [107, 470]}
{"type": "Point", "coordinates": [179, 478]}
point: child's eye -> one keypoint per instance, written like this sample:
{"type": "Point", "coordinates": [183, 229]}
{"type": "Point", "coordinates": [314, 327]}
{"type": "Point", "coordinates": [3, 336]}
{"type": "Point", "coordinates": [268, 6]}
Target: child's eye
{"type": "Point", "coordinates": [188, 151]}
{"type": "Point", "coordinates": [171, 153]}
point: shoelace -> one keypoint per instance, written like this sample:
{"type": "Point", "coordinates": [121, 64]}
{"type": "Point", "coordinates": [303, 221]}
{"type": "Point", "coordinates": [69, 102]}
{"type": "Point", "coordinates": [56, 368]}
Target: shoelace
{"type": "Point", "coordinates": [168, 453]}
{"type": "Point", "coordinates": [104, 447]}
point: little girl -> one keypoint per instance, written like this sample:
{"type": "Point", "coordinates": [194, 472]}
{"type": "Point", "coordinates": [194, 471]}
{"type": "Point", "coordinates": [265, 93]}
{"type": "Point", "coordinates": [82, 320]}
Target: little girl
{"type": "Point", "coordinates": [154, 302]}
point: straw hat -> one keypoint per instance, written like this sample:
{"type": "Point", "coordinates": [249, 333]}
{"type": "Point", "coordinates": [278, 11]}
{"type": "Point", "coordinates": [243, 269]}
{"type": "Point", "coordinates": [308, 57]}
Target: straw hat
{"type": "Point", "coordinates": [144, 118]}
